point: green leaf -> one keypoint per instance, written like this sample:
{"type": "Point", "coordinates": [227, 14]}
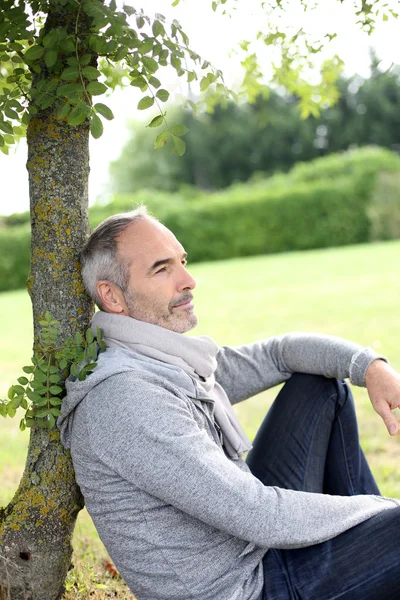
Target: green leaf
{"type": "Point", "coordinates": [43, 412]}
{"type": "Point", "coordinates": [22, 425]}
{"type": "Point", "coordinates": [146, 46]}
{"type": "Point", "coordinates": [156, 122]}
{"type": "Point", "coordinates": [70, 90]}
{"type": "Point", "coordinates": [139, 22]}
{"type": "Point", "coordinates": [89, 336]}
{"type": "Point", "coordinates": [3, 409]}
{"type": "Point", "coordinates": [34, 396]}
{"type": "Point", "coordinates": [162, 95]}
{"type": "Point", "coordinates": [96, 126]}
{"type": "Point", "coordinates": [18, 389]}
{"type": "Point", "coordinates": [6, 127]}
{"type": "Point", "coordinates": [204, 84]}
{"type": "Point", "coordinates": [64, 110]}
{"type": "Point", "coordinates": [145, 102]}
{"type": "Point", "coordinates": [41, 377]}
{"type": "Point", "coordinates": [154, 82]}
{"type": "Point", "coordinates": [11, 410]}
{"type": "Point", "coordinates": [76, 116]}
{"type": "Point", "coordinates": [50, 58]}
{"type": "Point", "coordinates": [55, 378]}
{"type": "Point", "coordinates": [55, 411]}
{"type": "Point", "coordinates": [10, 113]}
{"type": "Point", "coordinates": [104, 110]}
{"type": "Point", "coordinates": [68, 44]}
{"type": "Point", "coordinates": [22, 380]}
{"type": "Point", "coordinates": [70, 73]}
{"type": "Point", "coordinates": [55, 401]}
{"type": "Point", "coordinates": [178, 146]}
{"type": "Point", "coordinates": [34, 53]}
{"type": "Point", "coordinates": [150, 64]}
{"type": "Point", "coordinates": [139, 82]}
{"type": "Point", "coordinates": [50, 40]}
{"type": "Point", "coordinates": [85, 59]}
{"type": "Point", "coordinates": [158, 28]}
{"type": "Point", "coordinates": [95, 88]}
{"type": "Point", "coordinates": [28, 369]}
{"type": "Point", "coordinates": [55, 389]}
{"type": "Point", "coordinates": [162, 139]}
{"type": "Point", "coordinates": [91, 72]}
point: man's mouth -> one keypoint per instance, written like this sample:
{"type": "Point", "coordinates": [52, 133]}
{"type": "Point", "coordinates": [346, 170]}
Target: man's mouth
{"type": "Point", "coordinates": [185, 303]}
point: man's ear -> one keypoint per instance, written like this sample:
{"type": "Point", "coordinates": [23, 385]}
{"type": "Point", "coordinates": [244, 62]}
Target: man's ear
{"type": "Point", "coordinates": [112, 298]}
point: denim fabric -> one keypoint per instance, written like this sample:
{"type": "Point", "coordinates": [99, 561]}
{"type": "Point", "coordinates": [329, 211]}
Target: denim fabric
{"type": "Point", "coordinates": [309, 441]}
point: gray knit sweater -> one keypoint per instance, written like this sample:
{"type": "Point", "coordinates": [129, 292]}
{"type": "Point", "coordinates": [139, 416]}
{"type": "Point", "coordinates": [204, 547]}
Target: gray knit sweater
{"type": "Point", "coordinates": [181, 520]}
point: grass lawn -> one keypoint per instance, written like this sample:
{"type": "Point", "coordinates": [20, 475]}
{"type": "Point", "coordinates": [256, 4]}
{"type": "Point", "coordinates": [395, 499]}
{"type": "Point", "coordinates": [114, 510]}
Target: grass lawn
{"type": "Point", "coordinates": [353, 292]}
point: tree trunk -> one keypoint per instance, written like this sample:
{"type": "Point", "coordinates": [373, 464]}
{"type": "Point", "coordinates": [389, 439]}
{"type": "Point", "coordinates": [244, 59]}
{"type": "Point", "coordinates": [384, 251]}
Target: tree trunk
{"type": "Point", "coordinates": [37, 526]}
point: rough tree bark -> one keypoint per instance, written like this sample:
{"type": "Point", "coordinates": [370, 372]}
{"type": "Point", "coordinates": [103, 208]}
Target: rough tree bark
{"type": "Point", "coordinates": [37, 526]}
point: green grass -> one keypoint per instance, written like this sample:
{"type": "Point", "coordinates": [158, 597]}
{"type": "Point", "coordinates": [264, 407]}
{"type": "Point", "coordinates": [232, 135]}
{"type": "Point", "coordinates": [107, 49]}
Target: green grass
{"type": "Point", "coordinates": [353, 292]}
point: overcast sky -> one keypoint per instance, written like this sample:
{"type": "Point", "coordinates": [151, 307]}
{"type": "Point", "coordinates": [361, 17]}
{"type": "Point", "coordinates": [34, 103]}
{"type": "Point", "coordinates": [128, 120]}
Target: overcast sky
{"type": "Point", "coordinates": [213, 36]}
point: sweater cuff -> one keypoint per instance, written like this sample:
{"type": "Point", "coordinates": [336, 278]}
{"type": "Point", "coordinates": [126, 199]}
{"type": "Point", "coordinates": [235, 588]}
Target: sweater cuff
{"type": "Point", "coordinates": [360, 363]}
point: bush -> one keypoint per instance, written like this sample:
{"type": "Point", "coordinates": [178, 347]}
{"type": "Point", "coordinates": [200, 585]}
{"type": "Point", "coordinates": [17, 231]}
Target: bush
{"type": "Point", "coordinates": [14, 257]}
{"type": "Point", "coordinates": [312, 215]}
{"type": "Point", "coordinates": [384, 208]}
{"type": "Point", "coordinates": [340, 199]}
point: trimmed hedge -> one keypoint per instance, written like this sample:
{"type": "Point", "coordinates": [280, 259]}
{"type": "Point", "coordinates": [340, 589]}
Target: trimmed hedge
{"type": "Point", "coordinates": [14, 257]}
{"type": "Point", "coordinates": [313, 215]}
{"type": "Point", "coordinates": [326, 202]}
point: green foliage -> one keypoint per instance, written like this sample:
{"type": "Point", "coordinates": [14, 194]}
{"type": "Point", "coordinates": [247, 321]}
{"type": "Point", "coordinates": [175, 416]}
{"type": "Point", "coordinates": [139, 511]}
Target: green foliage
{"type": "Point", "coordinates": [40, 393]}
{"type": "Point", "coordinates": [99, 47]}
{"type": "Point", "coordinates": [331, 201]}
{"type": "Point", "coordinates": [240, 141]}
{"type": "Point", "coordinates": [14, 255]}
{"type": "Point", "coordinates": [384, 208]}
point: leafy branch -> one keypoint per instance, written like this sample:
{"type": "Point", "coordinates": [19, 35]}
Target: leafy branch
{"type": "Point", "coordinates": [40, 391]}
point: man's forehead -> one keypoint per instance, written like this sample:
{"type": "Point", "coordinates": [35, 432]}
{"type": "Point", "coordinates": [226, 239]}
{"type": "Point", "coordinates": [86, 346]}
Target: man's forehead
{"type": "Point", "coordinates": [145, 239]}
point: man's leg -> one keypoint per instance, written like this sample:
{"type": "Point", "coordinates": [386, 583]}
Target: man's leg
{"type": "Point", "coordinates": [360, 564]}
{"type": "Point", "coordinates": [309, 440]}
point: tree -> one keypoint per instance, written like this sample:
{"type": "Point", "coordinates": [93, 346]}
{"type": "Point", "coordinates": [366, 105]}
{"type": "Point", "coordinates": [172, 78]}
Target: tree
{"type": "Point", "coordinates": [233, 143]}
{"type": "Point", "coordinates": [55, 55]}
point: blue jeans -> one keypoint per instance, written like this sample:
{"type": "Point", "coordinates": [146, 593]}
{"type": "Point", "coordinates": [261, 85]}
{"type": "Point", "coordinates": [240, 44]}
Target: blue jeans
{"type": "Point", "coordinates": [309, 441]}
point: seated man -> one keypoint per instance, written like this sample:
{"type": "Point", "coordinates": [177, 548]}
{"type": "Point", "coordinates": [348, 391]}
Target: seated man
{"type": "Point", "coordinates": [158, 451]}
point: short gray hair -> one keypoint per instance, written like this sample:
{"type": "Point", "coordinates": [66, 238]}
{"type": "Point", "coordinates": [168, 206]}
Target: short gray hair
{"type": "Point", "coordinates": [99, 257]}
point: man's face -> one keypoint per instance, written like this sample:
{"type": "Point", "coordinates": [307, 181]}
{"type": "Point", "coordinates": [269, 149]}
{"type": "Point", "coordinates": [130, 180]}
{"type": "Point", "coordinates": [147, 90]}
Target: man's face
{"type": "Point", "coordinates": [160, 287]}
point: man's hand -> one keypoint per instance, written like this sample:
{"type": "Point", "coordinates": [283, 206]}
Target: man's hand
{"type": "Point", "coordinates": [383, 385]}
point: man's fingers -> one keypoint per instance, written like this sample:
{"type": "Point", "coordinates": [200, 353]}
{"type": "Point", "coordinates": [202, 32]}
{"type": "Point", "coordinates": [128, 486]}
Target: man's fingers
{"type": "Point", "coordinates": [382, 408]}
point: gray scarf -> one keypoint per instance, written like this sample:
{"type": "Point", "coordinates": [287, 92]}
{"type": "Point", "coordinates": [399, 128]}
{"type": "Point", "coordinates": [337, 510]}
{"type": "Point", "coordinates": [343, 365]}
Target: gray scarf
{"type": "Point", "coordinates": [195, 355]}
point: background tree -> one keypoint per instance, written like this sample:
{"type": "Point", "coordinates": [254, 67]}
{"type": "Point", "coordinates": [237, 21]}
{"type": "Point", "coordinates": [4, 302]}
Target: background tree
{"type": "Point", "coordinates": [233, 143]}
{"type": "Point", "coordinates": [55, 55]}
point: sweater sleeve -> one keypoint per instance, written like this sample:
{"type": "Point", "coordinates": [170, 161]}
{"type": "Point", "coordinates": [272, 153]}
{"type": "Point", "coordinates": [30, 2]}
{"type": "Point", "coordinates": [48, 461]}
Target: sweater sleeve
{"type": "Point", "coordinates": [153, 440]}
{"type": "Point", "coordinates": [247, 370]}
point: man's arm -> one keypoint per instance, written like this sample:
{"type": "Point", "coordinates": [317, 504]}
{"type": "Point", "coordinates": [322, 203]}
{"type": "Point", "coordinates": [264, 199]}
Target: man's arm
{"type": "Point", "coordinates": [152, 440]}
{"type": "Point", "coordinates": [247, 370]}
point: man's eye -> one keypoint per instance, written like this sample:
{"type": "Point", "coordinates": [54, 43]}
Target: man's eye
{"type": "Point", "coordinates": [161, 270]}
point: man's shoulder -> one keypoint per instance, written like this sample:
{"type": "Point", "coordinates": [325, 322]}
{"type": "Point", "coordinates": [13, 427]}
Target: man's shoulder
{"type": "Point", "coordinates": [120, 364]}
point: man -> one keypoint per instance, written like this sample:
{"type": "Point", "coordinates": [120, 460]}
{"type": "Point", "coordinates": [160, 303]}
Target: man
{"type": "Point", "coordinates": [158, 451]}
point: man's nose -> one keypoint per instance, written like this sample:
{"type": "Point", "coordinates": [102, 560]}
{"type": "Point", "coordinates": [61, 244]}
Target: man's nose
{"type": "Point", "coordinates": [186, 282]}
